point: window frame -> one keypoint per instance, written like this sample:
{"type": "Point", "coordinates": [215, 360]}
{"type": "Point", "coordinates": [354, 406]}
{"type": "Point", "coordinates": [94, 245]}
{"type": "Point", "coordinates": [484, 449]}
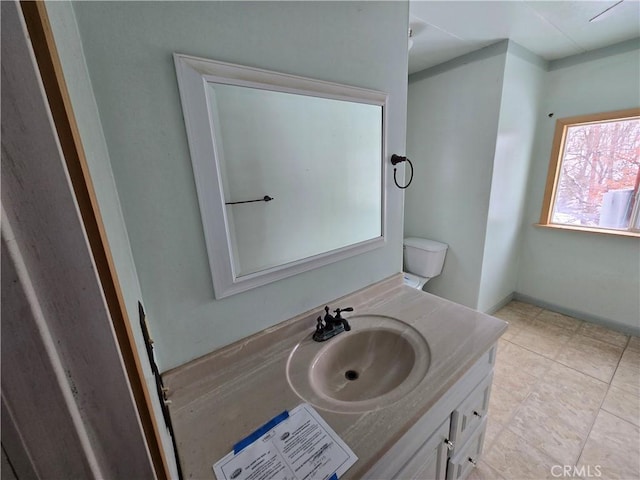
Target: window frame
{"type": "Point", "coordinates": [555, 164]}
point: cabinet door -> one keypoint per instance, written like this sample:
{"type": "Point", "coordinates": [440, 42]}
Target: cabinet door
{"type": "Point", "coordinates": [466, 418]}
{"type": "Point", "coordinates": [430, 461]}
{"type": "Point", "coordinates": [461, 464]}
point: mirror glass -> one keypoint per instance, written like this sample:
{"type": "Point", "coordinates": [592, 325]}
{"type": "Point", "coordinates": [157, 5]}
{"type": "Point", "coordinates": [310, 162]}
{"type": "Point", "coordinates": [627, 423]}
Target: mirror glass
{"type": "Point", "coordinates": [289, 170]}
{"type": "Point", "coordinates": [317, 158]}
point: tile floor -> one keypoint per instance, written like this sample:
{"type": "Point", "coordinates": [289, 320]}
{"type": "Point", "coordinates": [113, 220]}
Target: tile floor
{"type": "Point", "coordinates": [565, 401]}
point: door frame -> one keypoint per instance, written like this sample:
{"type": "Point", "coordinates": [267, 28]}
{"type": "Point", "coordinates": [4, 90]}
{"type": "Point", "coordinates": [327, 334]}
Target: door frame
{"type": "Point", "coordinates": [50, 69]}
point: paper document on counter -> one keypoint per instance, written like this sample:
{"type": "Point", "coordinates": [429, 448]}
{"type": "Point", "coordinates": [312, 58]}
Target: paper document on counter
{"type": "Point", "coordinates": [298, 445]}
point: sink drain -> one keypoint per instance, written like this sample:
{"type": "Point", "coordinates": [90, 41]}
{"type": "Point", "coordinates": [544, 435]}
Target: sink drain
{"type": "Point", "coordinates": [351, 375]}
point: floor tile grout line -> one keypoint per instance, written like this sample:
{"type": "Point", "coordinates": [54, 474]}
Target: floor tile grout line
{"type": "Point", "coordinates": [509, 421]}
{"type": "Point", "coordinates": [610, 344]}
{"type": "Point", "coordinates": [554, 358]}
{"type": "Point", "coordinates": [568, 366]}
{"type": "Point", "coordinates": [603, 400]}
{"type": "Point", "coordinates": [540, 359]}
{"type": "Point", "coordinates": [527, 317]}
{"type": "Point", "coordinates": [618, 416]}
{"type": "Point", "coordinates": [538, 381]}
{"type": "Point", "coordinates": [600, 408]}
{"type": "Point", "coordinates": [624, 347]}
{"type": "Point", "coordinates": [587, 433]}
{"type": "Point", "coordinates": [588, 375]}
{"type": "Point", "coordinates": [572, 334]}
{"type": "Point", "coordinates": [594, 422]}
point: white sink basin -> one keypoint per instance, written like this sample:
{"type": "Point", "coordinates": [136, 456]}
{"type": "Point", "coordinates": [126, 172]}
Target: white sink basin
{"type": "Point", "coordinates": [372, 366]}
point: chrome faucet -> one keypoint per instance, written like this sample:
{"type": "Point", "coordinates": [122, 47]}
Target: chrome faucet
{"type": "Point", "coordinates": [331, 326]}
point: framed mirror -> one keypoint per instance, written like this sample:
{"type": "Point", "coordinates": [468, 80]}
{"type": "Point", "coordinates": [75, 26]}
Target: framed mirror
{"type": "Point", "coordinates": [289, 170]}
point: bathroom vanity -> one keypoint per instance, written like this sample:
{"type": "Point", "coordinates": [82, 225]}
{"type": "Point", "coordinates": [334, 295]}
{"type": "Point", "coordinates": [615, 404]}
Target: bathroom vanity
{"type": "Point", "coordinates": [428, 424]}
{"type": "Point", "coordinates": [446, 442]}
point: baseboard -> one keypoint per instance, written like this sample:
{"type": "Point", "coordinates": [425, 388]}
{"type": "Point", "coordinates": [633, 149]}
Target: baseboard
{"type": "Point", "coordinates": [605, 322]}
{"type": "Point", "coordinates": [500, 304]}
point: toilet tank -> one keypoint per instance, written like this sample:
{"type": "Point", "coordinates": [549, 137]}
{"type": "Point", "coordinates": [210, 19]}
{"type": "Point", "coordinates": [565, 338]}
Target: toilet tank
{"type": "Point", "coordinates": [424, 257]}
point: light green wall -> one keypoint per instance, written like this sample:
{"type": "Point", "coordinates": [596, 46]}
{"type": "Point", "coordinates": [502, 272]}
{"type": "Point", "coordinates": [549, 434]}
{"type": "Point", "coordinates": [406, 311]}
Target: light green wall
{"type": "Point", "coordinates": [483, 199]}
{"type": "Point", "coordinates": [519, 109]}
{"type": "Point", "coordinates": [453, 115]}
{"type": "Point", "coordinates": [128, 49]}
{"type": "Point", "coordinates": [595, 276]}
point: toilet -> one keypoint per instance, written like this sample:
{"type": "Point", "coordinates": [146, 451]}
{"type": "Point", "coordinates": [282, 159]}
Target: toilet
{"type": "Point", "coordinates": [423, 260]}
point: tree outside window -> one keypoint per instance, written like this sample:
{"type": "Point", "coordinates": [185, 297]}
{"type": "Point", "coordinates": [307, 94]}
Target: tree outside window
{"type": "Point", "coordinates": [594, 173]}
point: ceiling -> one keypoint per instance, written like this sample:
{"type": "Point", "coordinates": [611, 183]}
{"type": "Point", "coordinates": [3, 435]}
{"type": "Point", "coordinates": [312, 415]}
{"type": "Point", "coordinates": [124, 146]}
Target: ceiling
{"type": "Point", "coordinates": [443, 30]}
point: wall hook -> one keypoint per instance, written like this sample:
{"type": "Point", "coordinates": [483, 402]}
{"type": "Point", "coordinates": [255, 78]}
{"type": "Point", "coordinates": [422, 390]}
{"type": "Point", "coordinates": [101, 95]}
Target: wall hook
{"type": "Point", "coordinates": [395, 159]}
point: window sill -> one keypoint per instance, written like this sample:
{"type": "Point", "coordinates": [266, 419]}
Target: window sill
{"type": "Point", "coordinates": [615, 233]}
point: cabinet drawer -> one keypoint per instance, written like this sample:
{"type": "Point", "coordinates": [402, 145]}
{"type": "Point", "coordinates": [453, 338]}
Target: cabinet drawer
{"type": "Point", "coordinates": [430, 461]}
{"type": "Point", "coordinates": [461, 464]}
{"type": "Point", "coordinates": [470, 413]}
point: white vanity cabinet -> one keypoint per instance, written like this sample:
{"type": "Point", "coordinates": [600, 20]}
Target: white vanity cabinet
{"type": "Point", "coordinates": [445, 444]}
{"type": "Point", "coordinates": [467, 457]}
{"type": "Point", "coordinates": [430, 461]}
{"type": "Point", "coordinates": [469, 415]}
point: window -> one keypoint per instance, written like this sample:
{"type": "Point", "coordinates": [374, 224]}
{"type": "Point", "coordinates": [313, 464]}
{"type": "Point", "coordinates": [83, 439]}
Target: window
{"type": "Point", "coordinates": [594, 174]}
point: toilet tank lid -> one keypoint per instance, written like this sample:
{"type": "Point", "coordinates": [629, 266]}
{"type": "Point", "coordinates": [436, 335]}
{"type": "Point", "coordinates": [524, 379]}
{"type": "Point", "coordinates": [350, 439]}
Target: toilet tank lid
{"type": "Point", "coordinates": [425, 244]}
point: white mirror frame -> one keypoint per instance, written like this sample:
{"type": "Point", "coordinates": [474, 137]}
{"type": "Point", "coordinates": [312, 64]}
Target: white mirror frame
{"type": "Point", "coordinates": [194, 74]}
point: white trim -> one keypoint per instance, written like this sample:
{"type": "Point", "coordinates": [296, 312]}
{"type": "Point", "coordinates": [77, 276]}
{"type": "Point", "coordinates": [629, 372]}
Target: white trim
{"type": "Point", "coordinates": [193, 76]}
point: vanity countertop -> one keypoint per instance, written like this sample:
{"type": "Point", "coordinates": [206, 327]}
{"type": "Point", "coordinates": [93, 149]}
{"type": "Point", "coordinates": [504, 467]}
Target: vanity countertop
{"type": "Point", "coordinates": [220, 398]}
